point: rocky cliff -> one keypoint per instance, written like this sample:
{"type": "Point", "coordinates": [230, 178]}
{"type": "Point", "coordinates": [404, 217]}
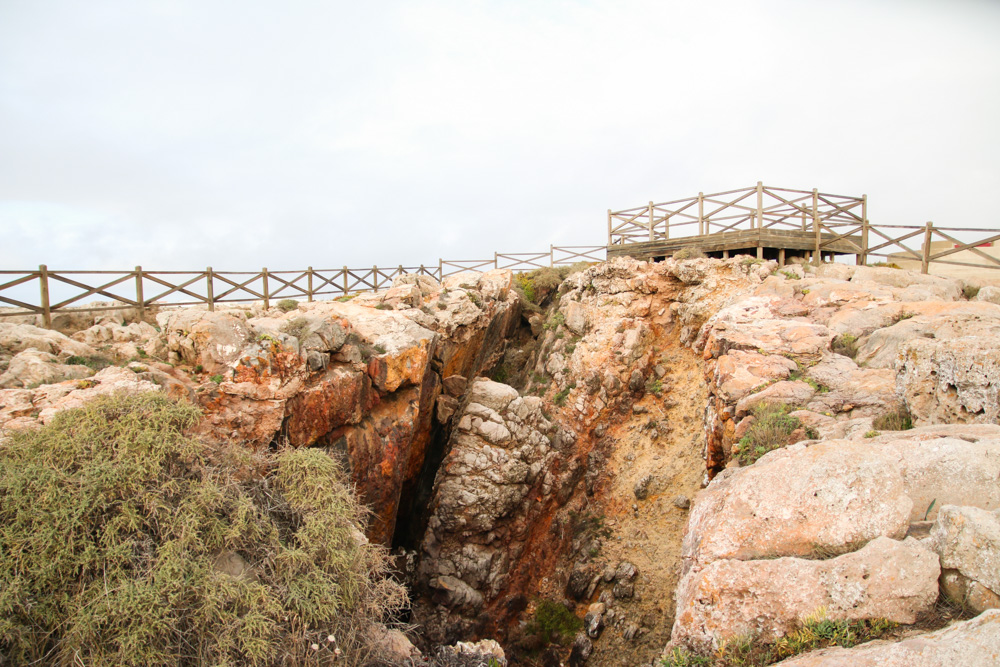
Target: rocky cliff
{"type": "Point", "coordinates": [788, 393]}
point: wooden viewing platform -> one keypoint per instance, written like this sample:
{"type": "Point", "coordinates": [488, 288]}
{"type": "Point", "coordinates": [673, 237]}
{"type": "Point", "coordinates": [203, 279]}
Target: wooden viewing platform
{"type": "Point", "coordinates": [771, 223]}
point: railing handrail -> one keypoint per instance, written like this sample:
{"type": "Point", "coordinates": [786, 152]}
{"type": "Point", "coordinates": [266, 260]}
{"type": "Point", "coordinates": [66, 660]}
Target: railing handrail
{"type": "Point", "coordinates": [248, 286]}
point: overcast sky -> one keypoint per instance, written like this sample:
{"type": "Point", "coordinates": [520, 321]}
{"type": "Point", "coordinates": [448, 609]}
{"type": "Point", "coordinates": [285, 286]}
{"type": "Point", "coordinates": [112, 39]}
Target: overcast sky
{"type": "Point", "coordinates": [247, 134]}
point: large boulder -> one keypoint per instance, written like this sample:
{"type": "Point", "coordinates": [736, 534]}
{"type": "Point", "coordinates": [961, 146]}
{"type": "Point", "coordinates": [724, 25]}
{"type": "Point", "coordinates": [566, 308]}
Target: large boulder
{"type": "Point", "coordinates": [830, 495]}
{"type": "Point", "coordinates": [770, 598]}
{"type": "Point", "coordinates": [974, 642]}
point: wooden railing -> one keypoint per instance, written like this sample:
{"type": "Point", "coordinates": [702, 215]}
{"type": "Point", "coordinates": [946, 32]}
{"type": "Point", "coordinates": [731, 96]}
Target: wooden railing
{"type": "Point", "coordinates": [834, 220]}
{"type": "Point", "coordinates": [44, 291]}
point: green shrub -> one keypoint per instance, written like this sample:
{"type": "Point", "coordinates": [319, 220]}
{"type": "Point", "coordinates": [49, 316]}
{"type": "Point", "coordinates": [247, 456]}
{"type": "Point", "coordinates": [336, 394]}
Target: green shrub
{"type": "Point", "coordinates": [286, 305]}
{"type": "Point", "coordinates": [872, 434]}
{"type": "Point", "coordinates": [898, 419]}
{"type": "Point", "coordinates": [94, 363]}
{"type": "Point", "coordinates": [552, 622]}
{"type": "Point", "coordinates": [770, 430]}
{"type": "Point", "coordinates": [970, 291]}
{"type": "Point", "coordinates": [114, 525]}
{"type": "Point", "coordinates": [217, 379]}
{"type": "Point", "coordinates": [654, 386]}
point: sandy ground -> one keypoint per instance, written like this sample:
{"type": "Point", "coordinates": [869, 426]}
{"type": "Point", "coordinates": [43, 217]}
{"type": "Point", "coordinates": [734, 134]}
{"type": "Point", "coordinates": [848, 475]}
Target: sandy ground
{"type": "Point", "coordinates": [650, 537]}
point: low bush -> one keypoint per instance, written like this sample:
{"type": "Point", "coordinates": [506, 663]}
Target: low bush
{"type": "Point", "coordinates": [970, 291]}
{"type": "Point", "coordinates": [286, 305]}
{"type": "Point", "coordinates": [898, 419]}
{"type": "Point", "coordinates": [116, 526]}
{"type": "Point", "coordinates": [692, 252]}
{"type": "Point", "coordinates": [553, 623]}
{"type": "Point", "coordinates": [770, 430]}
{"type": "Point", "coordinates": [817, 631]}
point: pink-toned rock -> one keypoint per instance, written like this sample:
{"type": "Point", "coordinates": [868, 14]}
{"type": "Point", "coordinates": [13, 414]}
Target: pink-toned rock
{"type": "Point", "coordinates": [770, 598]}
{"type": "Point", "coordinates": [972, 643]}
{"type": "Point", "coordinates": [797, 500]}
{"type": "Point", "coordinates": [739, 372]}
{"type": "Point", "coordinates": [792, 393]}
{"type": "Point", "coordinates": [832, 494]}
{"type": "Point", "coordinates": [968, 540]}
{"type": "Point", "coordinates": [952, 380]}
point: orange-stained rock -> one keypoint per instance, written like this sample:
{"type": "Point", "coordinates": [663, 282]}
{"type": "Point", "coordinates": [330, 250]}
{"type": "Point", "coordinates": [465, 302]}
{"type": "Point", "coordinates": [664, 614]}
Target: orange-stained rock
{"type": "Point", "coordinates": [341, 396]}
{"type": "Point", "coordinates": [229, 418]}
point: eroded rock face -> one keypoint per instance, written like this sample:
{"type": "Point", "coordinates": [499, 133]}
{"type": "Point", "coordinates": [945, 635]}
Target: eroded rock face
{"type": "Point", "coordinates": [497, 469]}
{"type": "Point", "coordinates": [973, 642]}
{"type": "Point", "coordinates": [770, 598]}
{"type": "Point", "coordinates": [360, 378]}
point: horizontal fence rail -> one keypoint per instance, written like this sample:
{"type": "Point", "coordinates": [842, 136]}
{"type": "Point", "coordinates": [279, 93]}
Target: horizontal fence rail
{"type": "Point", "coordinates": [45, 292]}
{"type": "Point", "coordinates": [837, 223]}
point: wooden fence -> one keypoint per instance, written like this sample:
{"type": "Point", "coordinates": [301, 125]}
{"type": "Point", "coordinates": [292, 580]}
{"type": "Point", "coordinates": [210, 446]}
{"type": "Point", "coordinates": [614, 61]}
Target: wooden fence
{"type": "Point", "coordinates": [832, 220]}
{"type": "Point", "coordinates": [57, 291]}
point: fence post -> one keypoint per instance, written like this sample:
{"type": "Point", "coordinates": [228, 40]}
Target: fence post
{"type": "Point", "coordinates": [817, 254]}
{"type": "Point", "coordinates": [43, 283]}
{"type": "Point", "coordinates": [650, 221]}
{"type": "Point", "coordinates": [925, 262]}
{"type": "Point", "coordinates": [552, 255]}
{"type": "Point", "coordinates": [496, 260]}
{"type": "Point", "coordinates": [609, 226]}
{"type": "Point", "coordinates": [374, 278]}
{"type": "Point", "coordinates": [666, 226]}
{"type": "Point", "coordinates": [440, 269]}
{"type": "Point", "coordinates": [701, 214]}
{"type": "Point", "coordinates": [210, 289]}
{"type": "Point", "coordinates": [863, 257]}
{"type": "Point", "coordinates": [345, 279]}
{"type": "Point", "coordinates": [267, 296]}
{"type": "Point", "coordinates": [760, 205]}
{"type": "Point", "coordinates": [139, 299]}
{"type": "Point", "coordinates": [309, 284]}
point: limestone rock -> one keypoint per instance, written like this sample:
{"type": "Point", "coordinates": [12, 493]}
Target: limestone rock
{"type": "Point", "coordinates": [833, 494]}
{"type": "Point", "coordinates": [16, 338]}
{"type": "Point", "coordinates": [739, 372]}
{"type": "Point", "coordinates": [952, 380]}
{"type": "Point", "coordinates": [967, 539]}
{"type": "Point", "coordinates": [972, 642]}
{"type": "Point", "coordinates": [31, 368]}
{"type": "Point", "coordinates": [885, 579]}
{"type": "Point", "coordinates": [214, 340]}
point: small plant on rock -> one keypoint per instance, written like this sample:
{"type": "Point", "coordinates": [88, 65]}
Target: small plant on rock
{"type": "Point", "coordinates": [970, 291]}
{"type": "Point", "coordinates": [553, 623]}
{"type": "Point", "coordinates": [771, 429]}
{"type": "Point", "coordinates": [286, 305]}
{"type": "Point", "coordinates": [845, 344]}
{"type": "Point", "coordinates": [561, 396]}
